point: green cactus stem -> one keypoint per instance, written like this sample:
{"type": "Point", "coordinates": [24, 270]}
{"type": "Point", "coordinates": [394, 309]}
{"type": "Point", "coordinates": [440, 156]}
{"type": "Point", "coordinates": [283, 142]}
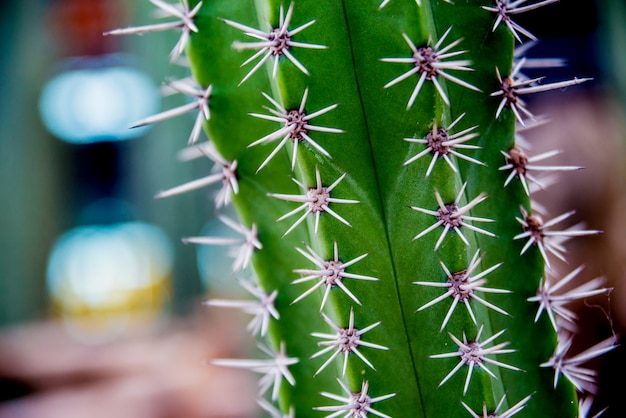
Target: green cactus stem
{"type": "Point", "coordinates": [370, 151]}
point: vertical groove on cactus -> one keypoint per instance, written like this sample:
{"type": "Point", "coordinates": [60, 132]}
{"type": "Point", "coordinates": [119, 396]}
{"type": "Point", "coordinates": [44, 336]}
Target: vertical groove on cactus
{"type": "Point", "coordinates": [339, 130]}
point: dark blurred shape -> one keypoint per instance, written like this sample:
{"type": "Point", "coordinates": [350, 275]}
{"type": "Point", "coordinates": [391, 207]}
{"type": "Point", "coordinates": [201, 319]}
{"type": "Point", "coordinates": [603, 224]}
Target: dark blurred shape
{"type": "Point", "coordinates": [12, 388]}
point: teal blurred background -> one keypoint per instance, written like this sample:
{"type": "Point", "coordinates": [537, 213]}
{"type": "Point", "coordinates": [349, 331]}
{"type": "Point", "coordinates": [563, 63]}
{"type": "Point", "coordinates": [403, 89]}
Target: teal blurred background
{"type": "Point", "coordinates": [100, 302]}
{"type": "Point", "coordinates": [50, 186]}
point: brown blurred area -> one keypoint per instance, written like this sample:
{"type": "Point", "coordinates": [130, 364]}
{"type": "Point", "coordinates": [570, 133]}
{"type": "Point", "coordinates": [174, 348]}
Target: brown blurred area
{"type": "Point", "coordinates": [590, 131]}
{"type": "Point", "coordinates": [45, 373]}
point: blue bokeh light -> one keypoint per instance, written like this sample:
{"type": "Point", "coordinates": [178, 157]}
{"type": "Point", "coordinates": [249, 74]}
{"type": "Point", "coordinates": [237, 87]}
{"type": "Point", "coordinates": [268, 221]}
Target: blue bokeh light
{"type": "Point", "coordinates": [103, 279]}
{"type": "Point", "coordinates": [98, 103]}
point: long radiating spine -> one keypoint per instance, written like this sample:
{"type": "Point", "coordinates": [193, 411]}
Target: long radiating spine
{"type": "Point", "coordinates": [368, 148]}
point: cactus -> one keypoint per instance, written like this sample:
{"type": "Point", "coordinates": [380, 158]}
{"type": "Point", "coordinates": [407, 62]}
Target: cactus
{"type": "Point", "coordinates": [372, 152]}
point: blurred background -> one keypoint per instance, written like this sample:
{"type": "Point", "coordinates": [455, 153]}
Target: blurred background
{"type": "Point", "coordinates": [100, 300]}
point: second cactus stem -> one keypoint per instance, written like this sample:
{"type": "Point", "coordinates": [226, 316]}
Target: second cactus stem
{"type": "Point", "coordinates": [372, 153]}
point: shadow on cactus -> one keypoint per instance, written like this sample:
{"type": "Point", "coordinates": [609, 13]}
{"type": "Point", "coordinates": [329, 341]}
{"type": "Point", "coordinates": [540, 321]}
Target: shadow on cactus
{"type": "Point", "coordinates": [372, 153]}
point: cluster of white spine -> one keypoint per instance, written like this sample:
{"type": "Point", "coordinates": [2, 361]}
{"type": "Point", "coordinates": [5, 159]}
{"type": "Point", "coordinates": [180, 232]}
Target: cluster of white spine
{"type": "Point", "coordinates": [275, 367]}
{"type": "Point", "coordinates": [539, 233]}
{"type": "Point", "coordinates": [429, 64]}
{"type": "Point", "coordinates": [450, 215]}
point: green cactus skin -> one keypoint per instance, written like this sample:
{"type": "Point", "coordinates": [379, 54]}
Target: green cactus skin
{"type": "Point", "coordinates": [353, 72]}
